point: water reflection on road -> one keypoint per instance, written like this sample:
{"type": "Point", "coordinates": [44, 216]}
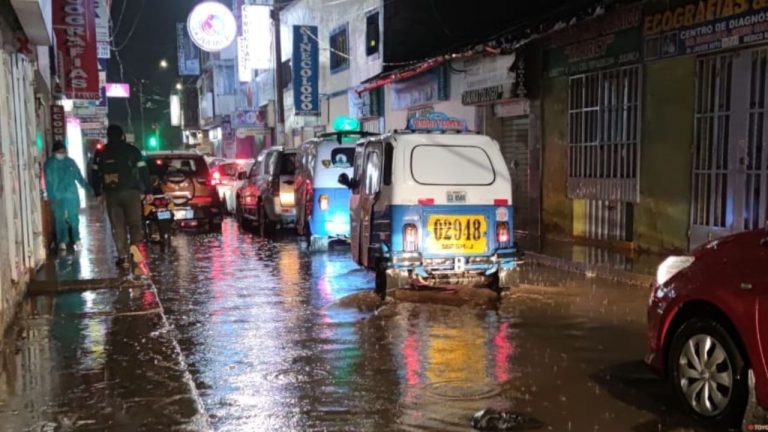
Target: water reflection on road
{"type": "Point", "coordinates": [278, 339]}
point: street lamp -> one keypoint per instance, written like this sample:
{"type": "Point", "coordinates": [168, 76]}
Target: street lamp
{"type": "Point", "coordinates": [163, 64]}
{"type": "Point", "coordinates": [179, 86]}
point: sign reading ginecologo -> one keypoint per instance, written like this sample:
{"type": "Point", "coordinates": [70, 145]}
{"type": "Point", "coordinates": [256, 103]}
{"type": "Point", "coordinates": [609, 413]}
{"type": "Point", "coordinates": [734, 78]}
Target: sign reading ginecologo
{"type": "Point", "coordinates": [212, 26]}
{"type": "Point", "coordinates": [305, 71]}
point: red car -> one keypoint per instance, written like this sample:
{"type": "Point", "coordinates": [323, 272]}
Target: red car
{"type": "Point", "coordinates": [708, 326]}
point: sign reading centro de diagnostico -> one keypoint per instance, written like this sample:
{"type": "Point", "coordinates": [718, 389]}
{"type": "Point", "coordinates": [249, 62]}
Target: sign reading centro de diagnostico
{"type": "Point", "coordinates": [704, 26]}
{"type": "Point", "coordinates": [305, 71]}
{"type": "Point", "coordinates": [610, 40]}
{"type": "Point", "coordinates": [75, 28]}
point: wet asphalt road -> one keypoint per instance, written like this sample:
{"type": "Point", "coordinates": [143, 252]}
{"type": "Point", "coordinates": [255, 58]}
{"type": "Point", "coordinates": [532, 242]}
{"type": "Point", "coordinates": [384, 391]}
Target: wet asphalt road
{"type": "Point", "coordinates": [278, 339]}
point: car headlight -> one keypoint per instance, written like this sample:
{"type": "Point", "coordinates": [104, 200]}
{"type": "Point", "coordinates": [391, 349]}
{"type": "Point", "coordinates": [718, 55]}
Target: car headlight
{"type": "Point", "coordinates": [672, 266]}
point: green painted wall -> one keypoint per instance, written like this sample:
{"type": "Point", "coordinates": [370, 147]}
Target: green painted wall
{"type": "Point", "coordinates": [662, 216]}
{"type": "Point", "coordinates": [556, 210]}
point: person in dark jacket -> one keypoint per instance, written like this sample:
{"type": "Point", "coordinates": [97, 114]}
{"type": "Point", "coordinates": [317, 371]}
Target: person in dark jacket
{"type": "Point", "coordinates": [62, 176]}
{"type": "Point", "coordinates": [121, 174]}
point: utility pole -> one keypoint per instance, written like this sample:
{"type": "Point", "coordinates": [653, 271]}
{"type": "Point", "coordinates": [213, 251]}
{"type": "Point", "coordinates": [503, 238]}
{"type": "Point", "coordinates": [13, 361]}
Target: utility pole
{"type": "Point", "coordinates": [279, 103]}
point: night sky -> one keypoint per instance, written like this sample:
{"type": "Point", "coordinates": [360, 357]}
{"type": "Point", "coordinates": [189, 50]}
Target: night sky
{"type": "Point", "coordinates": [153, 39]}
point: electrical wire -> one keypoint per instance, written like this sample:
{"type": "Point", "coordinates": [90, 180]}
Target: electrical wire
{"type": "Point", "coordinates": [116, 27]}
{"type": "Point", "coordinates": [133, 29]}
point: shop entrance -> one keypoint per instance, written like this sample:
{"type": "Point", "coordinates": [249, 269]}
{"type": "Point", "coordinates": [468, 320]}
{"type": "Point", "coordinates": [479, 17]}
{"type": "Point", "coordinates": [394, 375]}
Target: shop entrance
{"type": "Point", "coordinates": [730, 153]}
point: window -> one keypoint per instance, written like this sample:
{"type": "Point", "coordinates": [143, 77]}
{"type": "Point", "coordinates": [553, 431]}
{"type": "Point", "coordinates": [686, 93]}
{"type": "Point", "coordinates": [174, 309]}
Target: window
{"type": "Point", "coordinates": [288, 164]}
{"type": "Point", "coordinates": [603, 135]}
{"type": "Point", "coordinates": [339, 49]}
{"type": "Point", "coordinates": [372, 170]}
{"type": "Point", "coordinates": [358, 172]}
{"type": "Point", "coordinates": [372, 34]}
{"type": "Point", "coordinates": [342, 157]}
{"type": "Point", "coordinates": [161, 166]}
{"type": "Point", "coordinates": [451, 166]}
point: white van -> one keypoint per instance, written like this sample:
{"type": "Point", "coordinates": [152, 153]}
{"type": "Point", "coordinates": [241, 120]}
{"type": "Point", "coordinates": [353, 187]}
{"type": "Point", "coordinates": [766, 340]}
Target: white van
{"type": "Point", "coordinates": [432, 205]}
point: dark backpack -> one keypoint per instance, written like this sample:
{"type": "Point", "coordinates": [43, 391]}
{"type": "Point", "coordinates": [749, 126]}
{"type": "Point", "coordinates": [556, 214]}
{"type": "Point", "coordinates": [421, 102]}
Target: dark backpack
{"type": "Point", "coordinates": [118, 168]}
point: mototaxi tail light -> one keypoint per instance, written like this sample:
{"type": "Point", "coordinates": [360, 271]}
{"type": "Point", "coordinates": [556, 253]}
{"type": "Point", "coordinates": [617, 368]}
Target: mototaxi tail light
{"type": "Point", "coordinates": [160, 202]}
{"type": "Point", "coordinates": [324, 202]}
{"type": "Point", "coordinates": [410, 238]}
{"type": "Point", "coordinates": [503, 236]}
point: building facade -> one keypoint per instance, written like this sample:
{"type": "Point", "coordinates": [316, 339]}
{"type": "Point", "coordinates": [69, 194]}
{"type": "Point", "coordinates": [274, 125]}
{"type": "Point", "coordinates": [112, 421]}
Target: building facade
{"type": "Point", "coordinates": [25, 107]}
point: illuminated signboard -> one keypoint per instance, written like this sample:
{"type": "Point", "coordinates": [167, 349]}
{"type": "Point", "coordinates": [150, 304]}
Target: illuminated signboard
{"type": "Point", "coordinates": [436, 121]}
{"type": "Point", "coordinates": [212, 26]}
{"type": "Point", "coordinates": [118, 90]}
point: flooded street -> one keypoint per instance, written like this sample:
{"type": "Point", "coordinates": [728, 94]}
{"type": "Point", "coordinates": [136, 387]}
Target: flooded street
{"type": "Point", "coordinates": [278, 339]}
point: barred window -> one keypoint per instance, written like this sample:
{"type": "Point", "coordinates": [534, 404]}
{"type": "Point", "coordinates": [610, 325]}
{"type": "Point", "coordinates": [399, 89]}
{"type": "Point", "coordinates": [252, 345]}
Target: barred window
{"type": "Point", "coordinates": [604, 135]}
{"type": "Point", "coordinates": [339, 42]}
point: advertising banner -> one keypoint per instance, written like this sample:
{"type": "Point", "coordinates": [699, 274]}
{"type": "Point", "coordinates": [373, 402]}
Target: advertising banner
{"type": "Point", "coordinates": [102, 29]}
{"type": "Point", "coordinates": [76, 63]}
{"type": "Point", "coordinates": [306, 97]}
{"type": "Point", "coordinates": [428, 88]}
{"type": "Point", "coordinates": [704, 26]}
{"type": "Point", "coordinates": [610, 40]}
{"type": "Point", "coordinates": [187, 52]}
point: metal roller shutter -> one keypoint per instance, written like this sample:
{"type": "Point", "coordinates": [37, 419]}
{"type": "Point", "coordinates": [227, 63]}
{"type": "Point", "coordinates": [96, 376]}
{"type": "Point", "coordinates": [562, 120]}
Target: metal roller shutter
{"type": "Point", "coordinates": [515, 148]}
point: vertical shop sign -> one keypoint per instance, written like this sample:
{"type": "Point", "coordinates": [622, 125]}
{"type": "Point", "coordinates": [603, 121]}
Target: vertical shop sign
{"type": "Point", "coordinates": [187, 52]}
{"type": "Point", "coordinates": [58, 123]}
{"type": "Point", "coordinates": [305, 71]}
{"type": "Point", "coordinates": [75, 29]}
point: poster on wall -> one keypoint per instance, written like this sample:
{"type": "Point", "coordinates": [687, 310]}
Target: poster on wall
{"type": "Point", "coordinates": [76, 60]}
{"type": "Point", "coordinates": [187, 52]}
{"type": "Point", "coordinates": [704, 26]}
{"type": "Point", "coordinates": [306, 97]}
{"type": "Point", "coordinates": [426, 89]}
{"type": "Point", "coordinates": [610, 40]}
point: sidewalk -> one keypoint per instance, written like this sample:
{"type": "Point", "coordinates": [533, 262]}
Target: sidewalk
{"type": "Point", "coordinates": [623, 266]}
{"type": "Point", "coordinates": [97, 359]}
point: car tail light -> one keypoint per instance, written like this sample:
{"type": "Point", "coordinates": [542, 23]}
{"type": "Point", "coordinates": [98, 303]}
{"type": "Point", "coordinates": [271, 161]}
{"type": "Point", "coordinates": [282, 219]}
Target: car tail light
{"type": "Point", "coordinates": [160, 202]}
{"type": "Point", "coordinates": [410, 238]}
{"type": "Point", "coordinates": [216, 178]}
{"type": "Point", "coordinates": [503, 237]}
{"type": "Point", "coordinates": [324, 202]}
{"type": "Point", "coordinates": [276, 186]}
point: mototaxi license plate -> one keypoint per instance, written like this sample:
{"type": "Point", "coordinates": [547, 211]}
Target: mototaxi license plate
{"type": "Point", "coordinates": [457, 233]}
{"type": "Point", "coordinates": [164, 215]}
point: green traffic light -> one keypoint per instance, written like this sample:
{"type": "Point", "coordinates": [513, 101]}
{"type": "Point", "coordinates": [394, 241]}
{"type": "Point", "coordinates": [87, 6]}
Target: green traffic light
{"type": "Point", "coordinates": [152, 143]}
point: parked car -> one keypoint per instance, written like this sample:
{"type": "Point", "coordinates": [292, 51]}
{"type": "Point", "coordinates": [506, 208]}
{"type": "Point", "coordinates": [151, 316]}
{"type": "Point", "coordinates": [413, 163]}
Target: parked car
{"type": "Point", "coordinates": [267, 199]}
{"type": "Point", "coordinates": [708, 328]}
{"type": "Point", "coordinates": [322, 204]}
{"type": "Point", "coordinates": [432, 205]}
{"type": "Point", "coordinates": [186, 180]}
{"type": "Point", "coordinates": [224, 175]}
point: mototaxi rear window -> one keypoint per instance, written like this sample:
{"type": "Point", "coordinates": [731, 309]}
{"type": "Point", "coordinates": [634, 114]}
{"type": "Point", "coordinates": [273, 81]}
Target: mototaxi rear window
{"type": "Point", "coordinates": [449, 165]}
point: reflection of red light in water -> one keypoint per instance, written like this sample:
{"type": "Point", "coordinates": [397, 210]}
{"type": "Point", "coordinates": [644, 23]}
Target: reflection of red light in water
{"type": "Point", "coordinates": [148, 299]}
{"type": "Point", "coordinates": [504, 351]}
{"type": "Point", "coordinates": [411, 359]}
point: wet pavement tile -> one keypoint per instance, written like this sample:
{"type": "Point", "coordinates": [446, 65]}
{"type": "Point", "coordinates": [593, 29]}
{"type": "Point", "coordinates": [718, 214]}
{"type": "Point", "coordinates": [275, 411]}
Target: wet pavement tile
{"type": "Point", "coordinates": [95, 360]}
{"type": "Point", "coordinates": [280, 339]}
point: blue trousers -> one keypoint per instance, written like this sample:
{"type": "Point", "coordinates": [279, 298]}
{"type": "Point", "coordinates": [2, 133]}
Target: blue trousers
{"type": "Point", "coordinates": [66, 213]}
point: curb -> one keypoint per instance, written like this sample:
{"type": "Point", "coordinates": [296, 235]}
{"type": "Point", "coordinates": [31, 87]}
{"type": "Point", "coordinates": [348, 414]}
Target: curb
{"type": "Point", "coordinates": [593, 270]}
{"type": "Point", "coordinates": [60, 286]}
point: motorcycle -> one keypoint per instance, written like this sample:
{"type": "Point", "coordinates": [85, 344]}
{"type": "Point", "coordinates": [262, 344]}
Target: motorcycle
{"type": "Point", "coordinates": [158, 219]}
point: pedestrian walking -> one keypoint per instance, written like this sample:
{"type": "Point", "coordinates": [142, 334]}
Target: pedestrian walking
{"type": "Point", "coordinates": [120, 173]}
{"type": "Point", "coordinates": [62, 177]}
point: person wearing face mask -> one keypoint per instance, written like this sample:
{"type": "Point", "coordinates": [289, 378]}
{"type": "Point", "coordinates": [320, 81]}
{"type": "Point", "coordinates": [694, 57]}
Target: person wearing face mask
{"type": "Point", "coordinates": [62, 176]}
